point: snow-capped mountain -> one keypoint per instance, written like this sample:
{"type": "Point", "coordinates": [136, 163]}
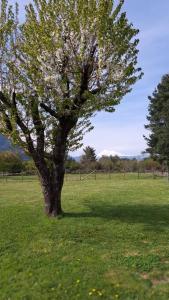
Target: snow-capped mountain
{"type": "Point", "coordinates": [114, 153]}
{"type": "Point", "coordinates": [109, 153]}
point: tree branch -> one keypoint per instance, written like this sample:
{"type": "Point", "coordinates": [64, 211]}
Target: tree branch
{"type": "Point", "coordinates": [22, 126]}
{"type": "Point", "coordinates": [4, 100]}
{"type": "Point", "coordinates": [38, 126]}
{"type": "Point", "coordinates": [49, 110]}
{"type": "Point", "coordinates": [7, 122]}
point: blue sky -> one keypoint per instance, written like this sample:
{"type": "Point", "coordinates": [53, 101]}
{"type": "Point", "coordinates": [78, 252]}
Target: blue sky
{"type": "Point", "coordinates": [123, 130]}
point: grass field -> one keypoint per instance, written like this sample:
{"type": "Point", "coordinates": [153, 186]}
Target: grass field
{"type": "Point", "coordinates": [113, 242]}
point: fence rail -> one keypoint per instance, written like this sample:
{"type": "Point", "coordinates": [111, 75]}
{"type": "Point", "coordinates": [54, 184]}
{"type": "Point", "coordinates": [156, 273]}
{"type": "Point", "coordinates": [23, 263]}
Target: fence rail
{"type": "Point", "coordinates": [82, 176]}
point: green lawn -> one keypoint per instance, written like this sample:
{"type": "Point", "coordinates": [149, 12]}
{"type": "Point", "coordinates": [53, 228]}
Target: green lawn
{"type": "Point", "coordinates": [113, 242]}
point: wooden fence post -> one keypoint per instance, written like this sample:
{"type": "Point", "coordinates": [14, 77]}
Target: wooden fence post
{"type": "Point", "coordinates": [138, 174]}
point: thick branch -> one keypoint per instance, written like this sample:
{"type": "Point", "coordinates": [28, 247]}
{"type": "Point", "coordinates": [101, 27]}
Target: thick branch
{"type": "Point", "coordinates": [49, 110]}
{"type": "Point", "coordinates": [4, 100]}
{"type": "Point", "coordinates": [22, 126]}
{"type": "Point", "coordinates": [85, 76]}
{"type": "Point", "coordinates": [38, 126]}
{"type": "Point", "coordinates": [96, 91]}
{"type": "Point", "coordinates": [6, 118]}
{"type": "Point", "coordinates": [7, 121]}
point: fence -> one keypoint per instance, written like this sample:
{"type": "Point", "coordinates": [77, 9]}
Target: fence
{"type": "Point", "coordinates": [5, 177]}
{"type": "Point", "coordinates": [92, 175]}
{"type": "Point", "coordinates": [96, 175]}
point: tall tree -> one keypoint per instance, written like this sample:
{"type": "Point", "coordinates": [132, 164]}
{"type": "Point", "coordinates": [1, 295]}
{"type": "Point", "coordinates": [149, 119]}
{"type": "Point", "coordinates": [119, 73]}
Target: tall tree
{"type": "Point", "coordinates": [158, 140]}
{"type": "Point", "coordinates": [68, 60]}
{"type": "Point", "coordinates": [89, 155]}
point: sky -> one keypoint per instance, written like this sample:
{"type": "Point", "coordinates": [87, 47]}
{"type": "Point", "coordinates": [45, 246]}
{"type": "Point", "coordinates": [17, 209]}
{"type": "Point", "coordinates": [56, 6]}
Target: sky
{"type": "Point", "coordinates": [123, 130]}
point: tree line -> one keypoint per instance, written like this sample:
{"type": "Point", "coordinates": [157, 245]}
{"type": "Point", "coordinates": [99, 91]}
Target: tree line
{"type": "Point", "coordinates": [89, 162]}
{"type": "Point", "coordinates": [11, 162]}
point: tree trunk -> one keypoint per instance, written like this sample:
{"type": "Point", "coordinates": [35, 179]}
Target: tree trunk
{"type": "Point", "coordinates": [52, 176]}
{"type": "Point", "coordinates": [52, 197]}
{"type": "Point", "coordinates": [52, 173]}
{"type": "Point", "coordinates": [52, 188]}
{"type": "Point", "coordinates": [168, 170]}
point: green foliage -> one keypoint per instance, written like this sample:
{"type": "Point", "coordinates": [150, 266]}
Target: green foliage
{"type": "Point", "coordinates": [113, 244]}
{"type": "Point", "coordinates": [158, 141]}
{"type": "Point", "coordinates": [68, 60]}
{"type": "Point", "coordinates": [116, 164]}
{"type": "Point", "coordinates": [111, 163]}
{"type": "Point", "coordinates": [10, 162]}
{"type": "Point", "coordinates": [150, 164]}
{"type": "Point", "coordinates": [29, 167]}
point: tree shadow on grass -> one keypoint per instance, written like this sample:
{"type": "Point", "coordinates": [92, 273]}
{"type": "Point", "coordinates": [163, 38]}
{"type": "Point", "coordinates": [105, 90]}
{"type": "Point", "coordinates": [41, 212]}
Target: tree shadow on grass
{"type": "Point", "coordinates": [153, 216]}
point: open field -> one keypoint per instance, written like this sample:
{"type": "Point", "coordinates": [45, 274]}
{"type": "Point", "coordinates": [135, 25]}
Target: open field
{"type": "Point", "coordinates": [113, 242]}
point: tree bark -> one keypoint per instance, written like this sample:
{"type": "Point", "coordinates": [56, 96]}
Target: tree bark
{"type": "Point", "coordinates": [52, 183]}
{"type": "Point", "coordinates": [52, 197]}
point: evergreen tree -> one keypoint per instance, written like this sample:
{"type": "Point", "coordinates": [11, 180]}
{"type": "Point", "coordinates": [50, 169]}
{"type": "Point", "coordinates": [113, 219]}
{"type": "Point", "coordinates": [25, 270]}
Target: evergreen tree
{"type": "Point", "coordinates": [158, 140]}
{"type": "Point", "coordinates": [89, 155]}
{"type": "Point", "coordinates": [68, 60]}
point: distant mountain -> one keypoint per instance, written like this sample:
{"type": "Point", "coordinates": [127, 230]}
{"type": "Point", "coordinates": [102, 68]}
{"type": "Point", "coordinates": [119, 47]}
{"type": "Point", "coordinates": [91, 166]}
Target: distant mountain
{"type": "Point", "coordinates": [137, 157]}
{"type": "Point", "coordinates": [77, 158]}
{"type": "Point", "coordinates": [6, 145]}
{"type": "Point", "coordinates": [113, 153]}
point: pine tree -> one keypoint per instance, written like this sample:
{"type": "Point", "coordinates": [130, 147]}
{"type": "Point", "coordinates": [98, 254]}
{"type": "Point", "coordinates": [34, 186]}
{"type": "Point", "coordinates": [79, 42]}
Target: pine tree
{"type": "Point", "coordinates": [158, 140]}
{"type": "Point", "coordinates": [89, 155]}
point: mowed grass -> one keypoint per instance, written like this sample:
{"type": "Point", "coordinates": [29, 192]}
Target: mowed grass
{"type": "Point", "coordinates": [113, 242]}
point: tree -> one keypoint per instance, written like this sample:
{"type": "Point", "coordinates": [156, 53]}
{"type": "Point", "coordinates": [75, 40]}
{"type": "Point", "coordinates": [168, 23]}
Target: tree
{"type": "Point", "coordinates": [67, 61]}
{"type": "Point", "coordinates": [88, 159]}
{"type": "Point", "coordinates": [158, 140]}
{"type": "Point", "coordinates": [89, 155]}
